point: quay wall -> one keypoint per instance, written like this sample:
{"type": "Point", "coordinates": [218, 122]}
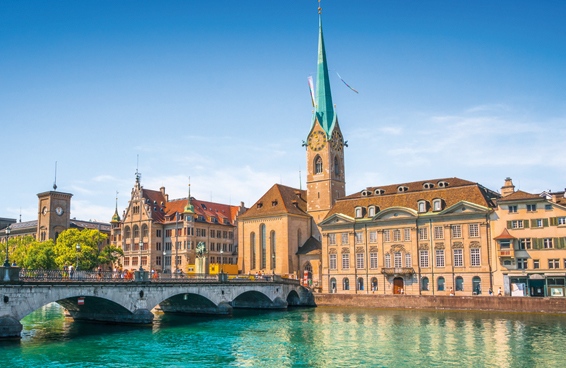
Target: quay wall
{"type": "Point", "coordinates": [476, 303]}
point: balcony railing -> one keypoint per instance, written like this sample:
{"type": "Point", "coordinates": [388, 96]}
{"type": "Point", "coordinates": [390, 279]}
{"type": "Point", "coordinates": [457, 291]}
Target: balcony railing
{"type": "Point", "coordinates": [394, 271]}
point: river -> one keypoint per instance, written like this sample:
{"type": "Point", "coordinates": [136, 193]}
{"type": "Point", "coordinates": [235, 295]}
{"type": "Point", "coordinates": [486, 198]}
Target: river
{"type": "Point", "coordinates": [317, 337]}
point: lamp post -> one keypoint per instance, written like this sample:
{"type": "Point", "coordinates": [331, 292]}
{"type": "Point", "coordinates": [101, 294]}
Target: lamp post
{"type": "Point", "coordinates": [273, 264]}
{"type": "Point", "coordinates": [221, 261]}
{"type": "Point", "coordinates": [7, 261]}
{"type": "Point", "coordinates": [141, 248]}
{"type": "Point", "coordinates": [78, 248]}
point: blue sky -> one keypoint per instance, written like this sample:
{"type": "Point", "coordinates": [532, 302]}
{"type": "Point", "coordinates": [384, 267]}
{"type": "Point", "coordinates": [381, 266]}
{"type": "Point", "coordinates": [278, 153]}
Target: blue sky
{"type": "Point", "coordinates": [217, 91]}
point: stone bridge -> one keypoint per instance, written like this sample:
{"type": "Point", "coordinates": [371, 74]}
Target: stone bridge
{"type": "Point", "coordinates": [131, 302]}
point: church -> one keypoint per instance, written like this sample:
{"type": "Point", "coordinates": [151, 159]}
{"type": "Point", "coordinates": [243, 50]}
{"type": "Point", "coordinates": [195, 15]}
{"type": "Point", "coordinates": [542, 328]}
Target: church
{"type": "Point", "coordinates": [279, 233]}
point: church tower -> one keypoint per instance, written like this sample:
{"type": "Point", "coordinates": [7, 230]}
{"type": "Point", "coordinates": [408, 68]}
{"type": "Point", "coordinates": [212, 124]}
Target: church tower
{"type": "Point", "coordinates": [54, 214]}
{"type": "Point", "coordinates": [325, 145]}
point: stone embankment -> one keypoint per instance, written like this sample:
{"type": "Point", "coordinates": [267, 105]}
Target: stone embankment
{"type": "Point", "coordinates": [475, 303]}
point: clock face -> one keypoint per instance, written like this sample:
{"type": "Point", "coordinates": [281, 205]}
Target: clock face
{"type": "Point", "coordinates": [337, 141]}
{"type": "Point", "coordinates": [317, 140]}
{"type": "Point", "coordinates": [59, 211]}
{"type": "Point", "coordinates": [44, 211]}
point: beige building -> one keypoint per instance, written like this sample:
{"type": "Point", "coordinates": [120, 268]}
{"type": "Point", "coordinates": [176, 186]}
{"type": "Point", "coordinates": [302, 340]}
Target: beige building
{"type": "Point", "coordinates": [421, 238]}
{"type": "Point", "coordinates": [163, 235]}
{"type": "Point", "coordinates": [530, 235]}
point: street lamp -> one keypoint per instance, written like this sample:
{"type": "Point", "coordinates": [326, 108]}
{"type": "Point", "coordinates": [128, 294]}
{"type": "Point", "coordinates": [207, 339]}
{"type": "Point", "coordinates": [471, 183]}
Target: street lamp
{"type": "Point", "coordinates": [7, 261]}
{"type": "Point", "coordinates": [141, 248]}
{"type": "Point", "coordinates": [78, 247]}
{"type": "Point", "coordinates": [221, 261]}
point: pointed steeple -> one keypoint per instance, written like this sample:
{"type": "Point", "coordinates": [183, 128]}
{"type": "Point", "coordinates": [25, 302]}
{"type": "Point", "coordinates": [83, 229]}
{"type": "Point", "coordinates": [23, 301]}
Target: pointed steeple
{"type": "Point", "coordinates": [324, 107]}
{"type": "Point", "coordinates": [116, 217]}
{"type": "Point", "coordinates": [189, 208]}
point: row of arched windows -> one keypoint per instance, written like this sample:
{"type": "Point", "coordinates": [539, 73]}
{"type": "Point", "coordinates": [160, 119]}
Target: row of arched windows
{"type": "Point", "coordinates": [458, 284]}
{"type": "Point", "coordinates": [263, 254]}
{"type": "Point", "coordinates": [346, 284]}
{"type": "Point", "coordinates": [128, 231]}
{"type": "Point", "coordinates": [318, 165]}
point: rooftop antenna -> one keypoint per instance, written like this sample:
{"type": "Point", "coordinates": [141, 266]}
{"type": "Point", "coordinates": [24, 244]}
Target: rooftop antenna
{"type": "Point", "coordinates": [20, 214]}
{"type": "Point", "coordinates": [55, 181]}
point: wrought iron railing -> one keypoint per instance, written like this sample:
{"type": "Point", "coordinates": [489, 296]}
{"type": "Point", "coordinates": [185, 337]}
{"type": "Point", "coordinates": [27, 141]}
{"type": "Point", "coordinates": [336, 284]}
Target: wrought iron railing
{"type": "Point", "coordinates": [29, 275]}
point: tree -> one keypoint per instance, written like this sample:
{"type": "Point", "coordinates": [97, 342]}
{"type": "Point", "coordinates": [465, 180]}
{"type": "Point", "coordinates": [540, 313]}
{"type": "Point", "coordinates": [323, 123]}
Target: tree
{"type": "Point", "coordinates": [66, 251]}
{"type": "Point", "coordinates": [39, 256]}
{"type": "Point", "coordinates": [109, 255]}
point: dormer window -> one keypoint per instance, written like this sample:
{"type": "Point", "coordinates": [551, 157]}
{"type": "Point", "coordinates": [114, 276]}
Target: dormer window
{"type": "Point", "coordinates": [379, 192]}
{"type": "Point", "coordinates": [421, 206]}
{"type": "Point", "coordinates": [274, 203]}
{"type": "Point", "coordinates": [359, 212]}
{"type": "Point", "coordinates": [428, 185]}
{"type": "Point", "coordinates": [442, 184]}
{"type": "Point", "coordinates": [371, 211]}
{"type": "Point", "coordinates": [402, 189]}
{"type": "Point", "coordinates": [365, 193]}
{"type": "Point", "coordinates": [437, 205]}
{"type": "Point", "coordinates": [260, 205]}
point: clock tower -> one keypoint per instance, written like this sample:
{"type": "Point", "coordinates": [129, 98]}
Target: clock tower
{"type": "Point", "coordinates": [325, 146]}
{"type": "Point", "coordinates": [54, 214]}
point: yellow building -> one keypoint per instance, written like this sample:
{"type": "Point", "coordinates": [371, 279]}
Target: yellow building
{"type": "Point", "coordinates": [163, 235]}
{"type": "Point", "coordinates": [530, 234]}
{"type": "Point", "coordinates": [421, 238]}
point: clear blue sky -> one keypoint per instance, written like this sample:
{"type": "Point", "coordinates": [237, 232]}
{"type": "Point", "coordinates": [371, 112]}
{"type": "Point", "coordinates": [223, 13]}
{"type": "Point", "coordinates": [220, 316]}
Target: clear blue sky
{"type": "Point", "coordinates": [217, 90]}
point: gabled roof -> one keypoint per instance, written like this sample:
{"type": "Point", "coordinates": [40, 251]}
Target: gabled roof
{"type": "Point", "coordinates": [279, 199]}
{"type": "Point", "coordinates": [311, 246]}
{"type": "Point", "coordinates": [451, 192]}
{"type": "Point", "coordinates": [520, 196]}
{"type": "Point", "coordinates": [504, 235]}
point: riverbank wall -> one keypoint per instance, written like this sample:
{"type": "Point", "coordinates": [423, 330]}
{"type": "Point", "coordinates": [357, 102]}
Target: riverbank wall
{"type": "Point", "coordinates": [475, 303]}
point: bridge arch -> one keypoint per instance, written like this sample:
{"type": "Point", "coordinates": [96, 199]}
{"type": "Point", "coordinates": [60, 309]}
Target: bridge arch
{"type": "Point", "coordinates": [257, 299]}
{"type": "Point", "coordinates": [293, 298]}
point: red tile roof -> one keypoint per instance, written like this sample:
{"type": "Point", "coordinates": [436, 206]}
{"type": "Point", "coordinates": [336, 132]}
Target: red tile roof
{"type": "Point", "coordinates": [504, 235]}
{"type": "Point", "coordinates": [279, 199]}
{"type": "Point", "coordinates": [453, 191]}
{"type": "Point", "coordinates": [520, 195]}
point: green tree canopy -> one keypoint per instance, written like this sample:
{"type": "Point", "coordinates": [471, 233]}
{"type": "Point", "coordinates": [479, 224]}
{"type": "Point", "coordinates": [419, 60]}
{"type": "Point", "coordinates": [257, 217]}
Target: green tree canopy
{"type": "Point", "coordinates": [89, 240]}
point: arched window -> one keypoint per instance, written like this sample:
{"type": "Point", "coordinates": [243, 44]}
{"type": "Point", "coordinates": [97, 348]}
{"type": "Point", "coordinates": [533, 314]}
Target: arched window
{"type": "Point", "coordinates": [437, 205]}
{"type": "Point", "coordinates": [127, 232]}
{"type": "Point", "coordinates": [374, 284]}
{"type": "Point", "coordinates": [371, 211]}
{"type": "Point", "coordinates": [318, 165]}
{"type": "Point", "coordinates": [273, 249]}
{"type": "Point", "coordinates": [422, 206]}
{"type": "Point", "coordinates": [252, 250]}
{"type": "Point", "coordinates": [263, 245]}
{"type": "Point", "coordinates": [360, 283]}
{"type": "Point", "coordinates": [345, 284]}
{"type": "Point", "coordinates": [333, 285]}
{"type": "Point", "coordinates": [476, 285]}
{"type": "Point", "coordinates": [358, 212]}
{"type": "Point", "coordinates": [336, 166]}
{"type": "Point", "coordinates": [459, 283]}
{"type": "Point", "coordinates": [136, 231]}
{"type": "Point", "coordinates": [144, 230]}
{"type": "Point", "coordinates": [440, 283]}
{"type": "Point", "coordinates": [424, 284]}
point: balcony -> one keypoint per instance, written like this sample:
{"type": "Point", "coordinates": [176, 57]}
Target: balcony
{"type": "Point", "coordinates": [397, 271]}
{"type": "Point", "coordinates": [506, 253]}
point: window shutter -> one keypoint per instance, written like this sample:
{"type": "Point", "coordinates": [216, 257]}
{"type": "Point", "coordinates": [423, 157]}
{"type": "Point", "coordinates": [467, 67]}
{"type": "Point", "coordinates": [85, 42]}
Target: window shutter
{"type": "Point", "coordinates": [545, 222]}
{"type": "Point", "coordinates": [533, 223]}
{"type": "Point", "coordinates": [509, 224]}
{"type": "Point", "coordinates": [561, 243]}
{"type": "Point", "coordinates": [556, 242]}
{"type": "Point", "coordinates": [553, 221]}
{"type": "Point", "coordinates": [537, 243]}
{"type": "Point", "coordinates": [526, 224]}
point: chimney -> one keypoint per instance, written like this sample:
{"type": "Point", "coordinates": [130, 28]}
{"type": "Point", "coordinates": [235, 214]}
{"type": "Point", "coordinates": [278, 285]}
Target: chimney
{"type": "Point", "coordinates": [508, 187]}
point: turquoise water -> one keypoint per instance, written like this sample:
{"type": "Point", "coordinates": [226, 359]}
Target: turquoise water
{"type": "Point", "coordinates": [319, 337]}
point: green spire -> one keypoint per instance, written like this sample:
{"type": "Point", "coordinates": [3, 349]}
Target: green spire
{"type": "Point", "coordinates": [116, 217]}
{"type": "Point", "coordinates": [189, 208]}
{"type": "Point", "coordinates": [324, 107]}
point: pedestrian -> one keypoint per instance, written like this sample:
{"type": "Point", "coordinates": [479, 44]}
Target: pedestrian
{"type": "Point", "coordinates": [71, 271]}
{"type": "Point", "coordinates": [499, 293]}
{"type": "Point", "coordinates": [490, 292]}
{"type": "Point", "coordinates": [451, 292]}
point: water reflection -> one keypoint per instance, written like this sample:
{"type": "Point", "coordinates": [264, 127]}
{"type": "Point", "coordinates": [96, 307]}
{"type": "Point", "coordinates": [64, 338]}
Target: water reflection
{"type": "Point", "coordinates": [300, 337]}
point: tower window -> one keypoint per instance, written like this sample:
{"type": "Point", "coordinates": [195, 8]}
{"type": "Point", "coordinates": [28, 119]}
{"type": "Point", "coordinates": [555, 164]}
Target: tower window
{"type": "Point", "coordinates": [318, 165]}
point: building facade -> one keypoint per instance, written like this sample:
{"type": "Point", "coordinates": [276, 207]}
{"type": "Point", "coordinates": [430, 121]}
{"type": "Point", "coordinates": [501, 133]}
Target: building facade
{"type": "Point", "coordinates": [421, 238]}
{"type": "Point", "coordinates": [530, 235]}
{"type": "Point", "coordinates": [164, 235]}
